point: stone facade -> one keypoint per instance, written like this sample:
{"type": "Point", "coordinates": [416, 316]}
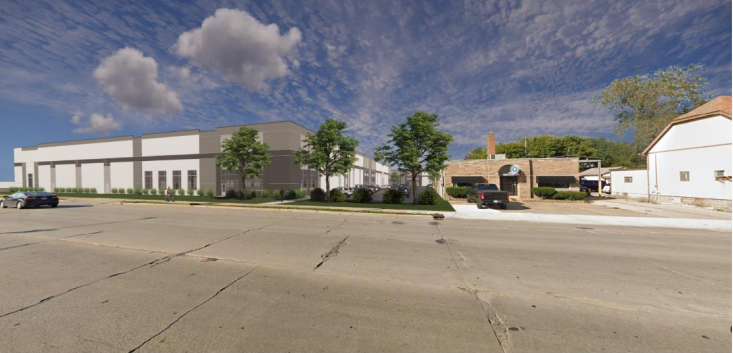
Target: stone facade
{"type": "Point", "coordinates": [491, 171]}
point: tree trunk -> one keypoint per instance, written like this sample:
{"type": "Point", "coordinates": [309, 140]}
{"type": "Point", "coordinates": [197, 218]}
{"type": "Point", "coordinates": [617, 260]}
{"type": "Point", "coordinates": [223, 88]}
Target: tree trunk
{"type": "Point", "coordinates": [414, 189]}
{"type": "Point", "coordinates": [328, 188]}
{"type": "Point", "coordinates": [244, 186]}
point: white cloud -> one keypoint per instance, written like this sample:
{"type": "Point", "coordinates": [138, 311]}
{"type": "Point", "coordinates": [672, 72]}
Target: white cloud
{"type": "Point", "coordinates": [185, 72]}
{"type": "Point", "coordinates": [98, 124]}
{"type": "Point", "coordinates": [247, 51]}
{"type": "Point", "coordinates": [131, 79]}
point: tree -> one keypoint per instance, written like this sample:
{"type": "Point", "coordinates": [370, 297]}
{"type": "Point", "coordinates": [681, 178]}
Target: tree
{"type": "Point", "coordinates": [328, 151]}
{"type": "Point", "coordinates": [395, 177]}
{"type": "Point", "coordinates": [244, 154]}
{"type": "Point", "coordinates": [647, 103]}
{"type": "Point", "coordinates": [416, 146]}
{"type": "Point", "coordinates": [476, 153]}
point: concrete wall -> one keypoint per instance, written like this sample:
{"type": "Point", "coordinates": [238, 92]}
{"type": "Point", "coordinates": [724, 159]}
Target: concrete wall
{"type": "Point", "coordinates": [92, 176]}
{"type": "Point", "coordinates": [65, 175]}
{"type": "Point", "coordinates": [636, 189]}
{"type": "Point", "coordinates": [121, 175]}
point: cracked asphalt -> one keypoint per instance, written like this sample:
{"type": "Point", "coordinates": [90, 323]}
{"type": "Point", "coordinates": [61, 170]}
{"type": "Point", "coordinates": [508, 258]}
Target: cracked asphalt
{"type": "Point", "coordinates": [93, 276]}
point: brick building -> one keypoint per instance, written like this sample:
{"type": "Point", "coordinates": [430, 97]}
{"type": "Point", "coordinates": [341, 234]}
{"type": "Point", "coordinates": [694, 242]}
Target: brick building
{"type": "Point", "coordinates": [515, 175]}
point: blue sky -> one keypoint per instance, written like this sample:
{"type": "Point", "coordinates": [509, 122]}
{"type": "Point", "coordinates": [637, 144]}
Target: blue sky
{"type": "Point", "coordinates": [516, 68]}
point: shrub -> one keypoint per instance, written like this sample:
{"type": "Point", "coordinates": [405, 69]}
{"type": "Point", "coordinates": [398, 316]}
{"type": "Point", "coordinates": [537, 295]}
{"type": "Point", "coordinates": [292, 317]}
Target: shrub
{"type": "Point", "coordinates": [337, 196]}
{"type": "Point", "coordinates": [318, 194]}
{"type": "Point", "coordinates": [239, 194]}
{"type": "Point", "coordinates": [190, 192]}
{"type": "Point", "coordinates": [13, 189]}
{"type": "Point", "coordinates": [181, 192]}
{"type": "Point", "coordinates": [40, 189]}
{"type": "Point", "coordinates": [93, 190]}
{"type": "Point", "coordinates": [265, 193]}
{"type": "Point", "coordinates": [200, 192]}
{"type": "Point", "coordinates": [292, 194]}
{"type": "Point", "coordinates": [276, 194]}
{"type": "Point", "coordinates": [458, 192]}
{"type": "Point", "coordinates": [86, 190]}
{"type": "Point", "coordinates": [209, 192]}
{"type": "Point", "coordinates": [113, 190]}
{"type": "Point", "coordinates": [392, 196]}
{"type": "Point", "coordinates": [153, 191]}
{"type": "Point", "coordinates": [253, 194]}
{"type": "Point", "coordinates": [138, 192]}
{"type": "Point", "coordinates": [231, 193]}
{"type": "Point", "coordinates": [161, 191]}
{"type": "Point", "coordinates": [362, 195]}
{"type": "Point", "coordinates": [130, 191]}
{"type": "Point", "coordinates": [544, 192]}
{"type": "Point", "coordinates": [569, 195]}
{"type": "Point", "coordinates": [429, 197]}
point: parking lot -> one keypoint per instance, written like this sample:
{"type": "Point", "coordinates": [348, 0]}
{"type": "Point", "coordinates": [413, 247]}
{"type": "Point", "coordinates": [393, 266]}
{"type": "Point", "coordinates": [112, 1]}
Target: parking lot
{"type": "Point", "coordinates": [97, 276]}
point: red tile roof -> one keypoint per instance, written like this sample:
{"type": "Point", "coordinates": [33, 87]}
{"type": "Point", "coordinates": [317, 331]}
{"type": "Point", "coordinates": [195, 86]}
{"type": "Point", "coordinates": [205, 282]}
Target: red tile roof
{"type": "Point", "coordinates": [718, 106]}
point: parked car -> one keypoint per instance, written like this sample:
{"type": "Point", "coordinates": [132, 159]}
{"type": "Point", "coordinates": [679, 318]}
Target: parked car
{"type": "Point", "coordinates": [361, 186]}
{"type": "Point", "coordinates": [607, 189]}
{"type": "Point", "coordinates": [385, 187]}
{"type": "Point", "coordinates": [346, 191]}
{"type": "Point", "coordinates": [29, 199]}
{"type": "Point", "coordinates": [592, 184]}
{"type": "Point", "coordinates": [585, 189]}
{"type": "Point", "coordinates": [404, 190]}
{"type": "Point", "coordinates": [487, 195]}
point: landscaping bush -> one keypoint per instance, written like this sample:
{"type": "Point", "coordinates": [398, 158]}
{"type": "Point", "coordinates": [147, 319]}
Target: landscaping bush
{"type": "Point", "coordinates": [569, 195]}
{"type": "Point", "coordinates": [13, 190]}
{"type": "Point", "coordinates": [429, 197]}
{"type": "Point", "coordinates": [161, 191]}
{"type": "Point", "coordinates": [362, 195]}
{"type": "Point", "coordinates": [130, 191]}
{"type": "Point", "coordinates": [138, 192]}
{"type": "Point", "coordinates": [392, 196]}
{"type": "Point", "coordinates": [253, 194]}
{"type": "Point", "coordinates": [153, 191]}
{"type": "Point", "coordinates": [276, 194]}
{"type": "Point", "coordinates": [318, 194]}
{"type": "Point", "coordinates": [292, 194]}
{"type": "Point", "coordinates": [145, 191]}
{"type": "Point", "coordinates": [200, 192]}
{"type": "Point", "coordinates": [190, 192]}
{"type": "Point", "coordinates": [41, 189]}
{"type": "Point", "coordinates": [231, 193]}
{"type": "Point", "coordinates": [458, 192]}
{"type": "Point", "coordinates": [265, 193]}
{"type": "Point", "coordinates": [337, 196]}
{"type": "Point", "coordinates": [113, 190]}
{"type": "Point", "coordinates": [86, 190]}
{"type": "Point", "coordinates": [209, 192]}
{"type": "Point", "coordinates": [544, 192]}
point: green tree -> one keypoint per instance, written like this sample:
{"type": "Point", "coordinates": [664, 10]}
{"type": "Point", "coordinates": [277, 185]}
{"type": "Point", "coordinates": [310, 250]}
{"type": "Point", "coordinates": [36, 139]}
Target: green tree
{"type": "Point", "coordinates": [645, 104]}
{"type": "Point", "coordinates": [476, 153]}
{"type": "Point", "coordinates": [416, 146]}
{"type": "Point", "coordinates": [244, 154]}
{"type": "Point", "coordinates": [512, 149]}
{"type": "Point", "coordinates": [395, 177]}
{"type": "Point", "coordinates": [328, 151]}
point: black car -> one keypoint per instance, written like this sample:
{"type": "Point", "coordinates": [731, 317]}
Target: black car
{"type": "Point", "coordinates": [29, 199]}
{"type": "Point", "coordinates": [592, 185]}
{"type": "Point", "coordinates": [404, 190]}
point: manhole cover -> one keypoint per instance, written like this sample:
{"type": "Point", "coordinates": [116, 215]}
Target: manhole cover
{"type": "Point", "coordinates": [440, 241]}
{"type": "Point", "coordinates": [397, 222]}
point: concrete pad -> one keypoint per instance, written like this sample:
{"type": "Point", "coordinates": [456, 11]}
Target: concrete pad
{"type": "Point", "coordinates": [284, 311]}
{"type": "Point", "coordinates": [550, 324]}
{"type": "Point", "coordinates": [422, 263]}
{"type": "Point", "coordinates": [399, 229]}
{"type": "Point", "coordinates": [9, 241]}
{"type": "Point", "coordinates": [295, 250]}
{"type": "Point", "coordinates": [35, 272]}
{"type": "Point", "coordinates": [119, 313]}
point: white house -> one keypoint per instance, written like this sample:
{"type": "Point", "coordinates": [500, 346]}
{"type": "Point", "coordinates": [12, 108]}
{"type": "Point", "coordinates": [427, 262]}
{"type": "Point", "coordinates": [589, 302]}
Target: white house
{"type": "Point", "coordinates": [690, 161]}
{"type": "Point", "coordinates": [631, 184]}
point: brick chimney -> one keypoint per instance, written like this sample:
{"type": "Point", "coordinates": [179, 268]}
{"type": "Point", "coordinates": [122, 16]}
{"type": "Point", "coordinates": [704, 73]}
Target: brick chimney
{"type": "Point", "coordinates": [490, 144]}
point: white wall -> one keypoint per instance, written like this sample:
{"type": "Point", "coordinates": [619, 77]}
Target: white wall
{"type": "Point", "coordinates": [636, 189]}
{"type": "Point", "coordinates": [92, 176]}
{"type": "Point", "coordinates": [166, 146]}
{"type": "Point", "coordinates": [184, 165]}
{"type": "Point", "coordinates": [44, 177]}
{"type": "Point", "coordinates": [65, 175]}
{"type": "Point", "coordinates": [19, 176]}
{"type": "Point", "coordinates": [92, 150]}
{"type": "Point", "coordinates": [704, 132]}
{"type": "Point", "coordinates": [120, 175]}
{"type": "Point", "coordinates": [665, 168]}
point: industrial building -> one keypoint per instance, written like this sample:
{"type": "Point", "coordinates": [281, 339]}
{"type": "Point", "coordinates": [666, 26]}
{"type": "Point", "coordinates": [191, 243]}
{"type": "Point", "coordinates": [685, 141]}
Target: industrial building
{"type": "Point", "coordinates": [516, 175]}
{"type": "Point", "coordinates": [179, 159]}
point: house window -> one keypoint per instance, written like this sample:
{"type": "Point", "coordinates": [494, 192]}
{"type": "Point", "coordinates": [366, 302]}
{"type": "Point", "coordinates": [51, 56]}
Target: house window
{"type": "Point", "coordinates": [161, 179]}
{"type": "Point", "coordinates": [559, 182]}
{"type": "Point", "coordinates": [176, 179]}
{"type": "Point", "coordinates": [628, 179]}
{"type": "Point", "coordinates": [192, 179]}
{"type": "Point", "coordinates": [719, 174]}
{"type": "Point", "coordinates": [684, 176]}
{"type": "Point", "coordinates": [148, 180]}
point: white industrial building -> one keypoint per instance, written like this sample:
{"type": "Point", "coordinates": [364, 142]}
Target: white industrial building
{"type": "Point", "coordinates": [689, 162]}
{"type": "Point", "coordinates": [180, 159]}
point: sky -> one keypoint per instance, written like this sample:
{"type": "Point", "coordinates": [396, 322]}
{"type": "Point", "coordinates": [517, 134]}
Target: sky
{"type": "Point", "coordinates": [84, 69]}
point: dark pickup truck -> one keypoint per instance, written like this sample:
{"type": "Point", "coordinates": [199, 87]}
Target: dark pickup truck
{"type": "Point", "coordinates": [486, 195]}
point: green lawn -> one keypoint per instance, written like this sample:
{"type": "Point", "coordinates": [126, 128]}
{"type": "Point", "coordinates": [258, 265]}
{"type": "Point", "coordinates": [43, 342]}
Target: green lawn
{"type": "Point", "coordinates": [162, 198]}
{"type": "Point", "coordinates": [442, 206]}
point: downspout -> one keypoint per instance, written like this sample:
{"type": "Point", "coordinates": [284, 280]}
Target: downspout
{"type": "Point", "coordinates": [648, 190]}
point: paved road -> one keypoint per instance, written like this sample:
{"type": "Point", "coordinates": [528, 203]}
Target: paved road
{"type": "Point", "coordinates": [93, 277]}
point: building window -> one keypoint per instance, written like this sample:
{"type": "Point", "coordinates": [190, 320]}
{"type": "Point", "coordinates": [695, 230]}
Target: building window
{"type": "Point", "coordinates": [684, 176]}
{"type": "Point", "coordinates": [161, 179]}
{"type": "Point", "coordinates": [192, 179]}
{"type": "Point", "coordinates": [30, 180]}
{"type": "Point", "coordinates": [558, 182]}
{"type": "Point", "coordinates": [148, 180]}
{"type": "Point", "coordinates": [719, 174]}
{"type": "Point", "coordinates": [628, 179]}
{"type": "Point", "coordinates": [176, 179]}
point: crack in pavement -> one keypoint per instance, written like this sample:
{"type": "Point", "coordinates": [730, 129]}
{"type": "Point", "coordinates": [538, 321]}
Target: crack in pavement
{"type": "Point", "coordinates": [49, 240]}
{"type": "Point", "coordinates": [192, 309]}
{"type": "Point", "coordinates": [491, 314]}
{"type": "Point", "coordinates": [335, 250]}
{"type": "Point", "coordinates": [76, 226]}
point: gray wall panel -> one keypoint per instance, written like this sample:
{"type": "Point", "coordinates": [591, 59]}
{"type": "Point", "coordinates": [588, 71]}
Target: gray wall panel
{"type": "Point", "coordinates": [137, 165]}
